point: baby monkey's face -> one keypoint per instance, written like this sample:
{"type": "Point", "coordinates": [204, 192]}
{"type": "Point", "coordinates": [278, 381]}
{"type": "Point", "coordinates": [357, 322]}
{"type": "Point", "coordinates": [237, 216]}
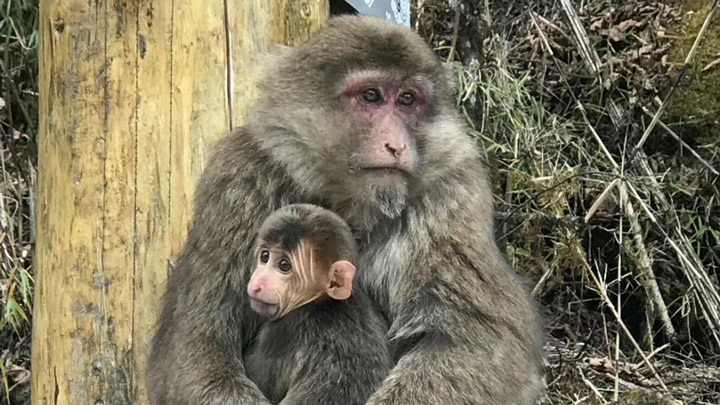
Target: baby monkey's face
{"type": "Point", "coordinates": [284, 279]}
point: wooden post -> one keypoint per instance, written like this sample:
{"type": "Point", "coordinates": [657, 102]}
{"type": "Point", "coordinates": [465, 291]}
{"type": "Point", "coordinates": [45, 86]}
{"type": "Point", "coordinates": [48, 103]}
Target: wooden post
{"type": "Point", "coordinates": [132, 96]}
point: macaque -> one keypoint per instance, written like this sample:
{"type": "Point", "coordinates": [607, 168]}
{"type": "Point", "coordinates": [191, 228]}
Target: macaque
{"type": "Point", "coordinates": [323, 342]}
{"type": "Point", "coordinates": [361, 120]}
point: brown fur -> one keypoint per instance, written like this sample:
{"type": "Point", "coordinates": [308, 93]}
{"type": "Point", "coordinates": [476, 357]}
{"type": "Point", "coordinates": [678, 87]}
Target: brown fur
{"type": "Point", "coordinates": [463, 326]}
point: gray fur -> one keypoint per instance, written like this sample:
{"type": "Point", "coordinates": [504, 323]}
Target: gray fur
{"type": "Point", "coordinates": [462, 325]}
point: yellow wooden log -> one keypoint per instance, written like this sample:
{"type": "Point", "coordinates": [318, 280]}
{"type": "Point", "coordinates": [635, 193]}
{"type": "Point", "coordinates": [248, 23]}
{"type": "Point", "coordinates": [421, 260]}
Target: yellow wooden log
{"type": "Point", "coordinates": [132, 96]}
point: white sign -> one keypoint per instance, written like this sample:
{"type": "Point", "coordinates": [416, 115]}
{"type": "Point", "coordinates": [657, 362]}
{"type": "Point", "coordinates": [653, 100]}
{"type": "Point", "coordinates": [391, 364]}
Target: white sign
{"type": "Point", "coordinates": [397, 11]}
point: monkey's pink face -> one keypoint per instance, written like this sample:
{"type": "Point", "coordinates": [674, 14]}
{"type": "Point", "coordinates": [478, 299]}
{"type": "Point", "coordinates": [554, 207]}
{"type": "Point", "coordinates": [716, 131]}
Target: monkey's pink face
{"type": "Point", "coordinates": [384, 113]}
{"type": "Point", "coordinates": [268, 282]}
{"type": "Point", "coordinates": [281, 281]}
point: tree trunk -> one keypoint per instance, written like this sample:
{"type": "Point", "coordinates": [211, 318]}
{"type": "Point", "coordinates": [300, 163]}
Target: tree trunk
{"type": "Point", "coordinates": [132, 96]}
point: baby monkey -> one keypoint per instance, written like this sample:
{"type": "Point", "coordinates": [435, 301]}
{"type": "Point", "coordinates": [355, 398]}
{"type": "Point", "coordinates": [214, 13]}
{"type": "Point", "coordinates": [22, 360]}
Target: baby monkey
{"type": "Point", "coordinates": [324, 343]}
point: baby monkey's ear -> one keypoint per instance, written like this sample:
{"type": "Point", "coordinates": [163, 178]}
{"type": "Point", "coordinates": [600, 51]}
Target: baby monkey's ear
{"type": "Point", "coordinates": [340, 280]}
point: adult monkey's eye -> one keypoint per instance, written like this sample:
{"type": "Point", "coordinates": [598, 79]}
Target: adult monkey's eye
{"type": "Point", "coordinates": [264, 256]}
{"type": "Point", "coordinates": [371, 96]}
{"type": "Point", "coordinates": [406, 98]}
{"type": "Point", "coordinates": [284, 265]}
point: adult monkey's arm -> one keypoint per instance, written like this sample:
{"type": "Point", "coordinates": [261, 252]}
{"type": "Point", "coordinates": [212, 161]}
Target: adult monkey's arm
{"type": "Point", "coordinates": [196, 355]}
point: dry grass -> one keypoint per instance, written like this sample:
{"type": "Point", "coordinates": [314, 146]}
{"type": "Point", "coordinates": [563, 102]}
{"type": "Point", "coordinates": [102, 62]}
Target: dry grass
{"type": "Point", "coordinates": [612, 211]}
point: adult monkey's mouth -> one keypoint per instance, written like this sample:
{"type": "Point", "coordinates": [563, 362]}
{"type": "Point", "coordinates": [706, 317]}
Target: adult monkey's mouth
{"type": "Point", "coordinates": [263, 308]}
{"type": "Point", "coordinates": [384, 170]}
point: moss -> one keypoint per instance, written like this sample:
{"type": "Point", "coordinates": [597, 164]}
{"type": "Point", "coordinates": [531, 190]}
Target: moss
{"type": "Point", "coordinates": [696, 103]}
{"type": "Point", "coordinates": [645, 397]}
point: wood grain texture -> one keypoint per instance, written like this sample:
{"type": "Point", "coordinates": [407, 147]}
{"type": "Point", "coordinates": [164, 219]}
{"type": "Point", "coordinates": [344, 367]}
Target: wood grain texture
{"type": "Point", "coordinates": [253, 30]}
{"type": "Point", "coordinates": [133, 94]}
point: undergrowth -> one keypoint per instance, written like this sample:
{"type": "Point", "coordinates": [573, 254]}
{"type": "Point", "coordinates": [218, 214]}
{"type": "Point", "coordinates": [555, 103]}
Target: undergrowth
{"type": "Point", "coordinates": [615, 222]}
{"type": "Point", "coordinates": [18, 129]}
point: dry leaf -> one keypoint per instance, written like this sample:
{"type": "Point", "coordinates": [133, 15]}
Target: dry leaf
{"type": "Point", "coordinates": [623, 26]}
{"type": "Point", "coordinates": [646, 49]}
{"type": "Point", "coordinates": [21, 375]}
{"type": "Point", "coordinates": [601, 364]}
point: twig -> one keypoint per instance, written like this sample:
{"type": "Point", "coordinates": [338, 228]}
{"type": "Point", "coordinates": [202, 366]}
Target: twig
{"type": "Point", "coordinates": [540, 284]}
{"type": "Point", "coordinates": [616, 385]}
{"type": "Point", "coordinates": [506, 216]}
{"type": "Point", "coordinates": [608, 302]}
{"type": "Point", "coordinates": [420, 11]}
{"type": "Point", "coordinates": [703, 289]}
{"type": "Point", "coordinates": [624, 383]}
{"type": "Point", "coordinates": [601, 198]}
{"type": "Point", "coordinates": [31, 201]}
{"type": "Point", "coordinates": [646, 274]}
{"type": "Point", "coordinates": [591, 386]}
{"type": "Point", "coordinates": [658, 350]}
{"type": "Point", "coordinates": [683, 144]}
{"type": "Point", "coordinates": [587, 52]}
{"type": "Point", "coordinates": [590, 56]}
{"type": "Point", "coordinates": [456, 28]}
{"type": "Point", "coordinates": [553, 26]}
{"type": "Point", "coordinates": [577, 102]}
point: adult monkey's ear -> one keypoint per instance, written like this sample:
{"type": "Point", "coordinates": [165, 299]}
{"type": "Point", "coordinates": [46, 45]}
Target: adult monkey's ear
{"type": "Point", "coordinates": [340, 280]}
{"type": "Point", "coordinates": [279, 49]}
{"type": "Point", "coordinates": [451, 75]}
{"type": "Point", "coordinates": [275, 54]}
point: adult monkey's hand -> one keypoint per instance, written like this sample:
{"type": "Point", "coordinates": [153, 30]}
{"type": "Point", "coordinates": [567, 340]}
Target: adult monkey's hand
{"type": "Point", "coordinates": [359, 119]}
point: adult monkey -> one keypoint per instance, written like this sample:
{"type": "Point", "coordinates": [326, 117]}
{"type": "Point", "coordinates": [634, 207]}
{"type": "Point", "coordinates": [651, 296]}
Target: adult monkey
{"type": "Point", "coordinates": [359, 119]}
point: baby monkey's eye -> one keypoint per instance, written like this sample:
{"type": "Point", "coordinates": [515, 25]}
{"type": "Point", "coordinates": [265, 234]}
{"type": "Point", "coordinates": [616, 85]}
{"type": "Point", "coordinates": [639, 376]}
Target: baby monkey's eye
{"type": "Point", "coordinates": [406, 99]}
{"type": "Point", "coordinates": [264, 256]}
{"type": "Point", "coordinates": [284, 265]}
